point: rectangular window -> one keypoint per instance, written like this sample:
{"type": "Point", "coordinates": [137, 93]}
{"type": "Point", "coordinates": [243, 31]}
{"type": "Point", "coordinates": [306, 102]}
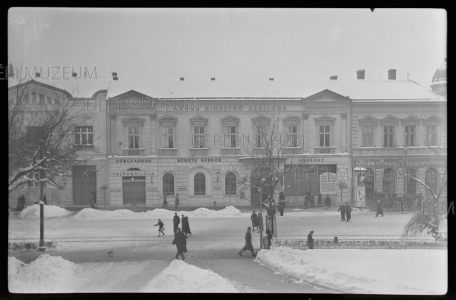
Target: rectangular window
{"type": "Point", "coordinates": [292, 136]}
{"type": "Point", "coordinates": [388, 136]}
{"type": "Point", "coordinates": [431, 135]}
{"type": "Point", "coordinates": [36, 177]}
{"type": "Point", "coordinates": [41, 99]}
{"type": "Point", "coordinates": [368, 136]}
{"type": "Point", "coordinates": [260, 136]}
{"type": "Point", "coordinates": [324, 135]}
{"type": "Point", "coordinates": [198, 137]}
{"type": "Point", "coordinates": [133, 137]}
{"type": "Point", "coordinates": [409, 136]}
{"type": "Point", "coordinates": [229, 136]}
{"type": "Point", "coordinates": [83, 135]}
{"type": "Point", "coordinates": [167, 137]}
{"type": "Point", "coordinates": [35, 134]}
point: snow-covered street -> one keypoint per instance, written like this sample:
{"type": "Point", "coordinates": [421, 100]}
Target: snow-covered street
{"type": "Point", "coordinates": [83, 238]}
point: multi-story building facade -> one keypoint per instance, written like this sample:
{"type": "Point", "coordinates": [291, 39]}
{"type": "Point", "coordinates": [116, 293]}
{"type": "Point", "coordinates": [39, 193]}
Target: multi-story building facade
{"type": "Point", "coordinates": [189, 139]}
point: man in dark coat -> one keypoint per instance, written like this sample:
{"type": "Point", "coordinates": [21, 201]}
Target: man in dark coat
{"type": "Point", "coordinates": [176, 202]}
{"type": "Point", "coordinates": [188, 225]}
{"type": "Point", "coordinates": [281, 204]}
{"type": "Point", "coordinates": [254, 219]}
{"type": "Point", "coordinates": [310, 241]}
{"type": "Point", "coordinates": [176, 222]}
{"type": "Point", "coordinates": [379, 207]}
{"type": "Point", "coordinates": [160, 227]}
{"type": "Point", "coordinates": [328, 202]}
{"type": "Point", "coordinates": [320, 200]}
{"type": "Point", "coordinates": [248, 242]}
{"type": "Point", "coordinates": [181, 243]}
{"type": "Point", "coordinates": [20, 203]}
{"type": "Point", "coordinates": [45, 200]}
{"type": "Point", "coordinates": [342, 212]}
{"type": "Point", "coordinates": [260, 221]}
{"type": "Point", "coordinates": [185, 226]}
{"type": "Point", "coordinates": [348, 211]}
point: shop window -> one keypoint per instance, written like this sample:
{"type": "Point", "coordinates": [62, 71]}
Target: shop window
{"type": "Point", "coordinates": [431, 177]}
{"type": "Point", "coordinates": [230, 184]}
{"type": "Point", "coordinates": [168, 184]}
{"type": "Point", "coordinates": [200, 184]}
{"type": "Point", "coordinates": [388, 181]}
{"type": "Point", "coordinates": [409, 136]}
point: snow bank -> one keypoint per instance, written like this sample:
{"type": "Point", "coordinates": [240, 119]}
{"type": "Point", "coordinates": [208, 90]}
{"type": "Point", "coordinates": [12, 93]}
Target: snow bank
{"type": "Point", "coordinates": [90, 213]}
{"type": "Point", "coordinates": [363, 271]}
{"type": "Point", "coordinates": [14, 266]}
{"type": "Point", "coordinates": [46, 274]}
{"type": "Point", "coordinates": [180, 277]}
{"type": "Point", "coordinates": [50, 211]}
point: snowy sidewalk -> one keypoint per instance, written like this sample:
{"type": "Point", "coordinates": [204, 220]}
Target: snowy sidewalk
{"type": "Point", "coordinates": [363, 271]}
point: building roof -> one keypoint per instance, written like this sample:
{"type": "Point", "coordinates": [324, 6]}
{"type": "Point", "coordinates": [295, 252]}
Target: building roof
{"type": "Point", "coordinates": [441, 74]}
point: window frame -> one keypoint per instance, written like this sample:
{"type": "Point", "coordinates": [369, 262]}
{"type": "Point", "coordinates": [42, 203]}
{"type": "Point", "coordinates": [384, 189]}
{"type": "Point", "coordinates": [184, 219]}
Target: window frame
{"type": "Point", "coordinates": [388, 182]}
{"type": "Point", "coordinates": [410, 135]}
{"type": "Point", "coordinates": [230, 182]}
{"type": "Point", "coordinates": [165, 137]}
{"type": "Point", "coordinates": [388, 137]}
{"type": "Point", "coordinates": [200, 182]}
{"type": "Point", "coordinates": [435, 135]}
{"type": "Point", "coordinates": [84, 131]}
{"type": "Point", "coordinates": [367, 136]}
{"type": "Point", "coordinates": [167, 190]}
{"type": "Point", "coordinates": [232, 136]}
{"type": "Point", "coordinates": [433, 175]}
{"type": "Point", "coordinates": [199, 134]}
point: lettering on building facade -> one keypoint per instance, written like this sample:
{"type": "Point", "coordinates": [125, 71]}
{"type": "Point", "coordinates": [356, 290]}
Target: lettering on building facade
{"type": "Point", "coordinates": [400, 162]}
{"type": "Point", "coordinates": [194, 160]}
{"type": "Point", "coordinates": [123, 161]}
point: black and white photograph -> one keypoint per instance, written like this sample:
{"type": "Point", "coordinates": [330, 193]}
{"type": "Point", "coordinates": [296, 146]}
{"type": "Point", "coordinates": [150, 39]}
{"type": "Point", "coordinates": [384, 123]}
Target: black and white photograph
{"type": "Point", "coordinates": [227, 150]}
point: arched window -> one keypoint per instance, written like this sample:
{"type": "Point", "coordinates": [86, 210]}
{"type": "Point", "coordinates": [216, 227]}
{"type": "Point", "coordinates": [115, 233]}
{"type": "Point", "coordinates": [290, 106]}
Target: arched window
{"type": "Point", "coordinates": [230, 184]}
{"type": "Point", "coordinates": [411, 184]}
{"type": "Point", "coordinates": [431, 177]}
{"type": "Point", "coordinates": [200, 184]}
{"type": "Point", "coordinates": [168, 184]}
{"type": "Point", "coordinates": [388, 181]}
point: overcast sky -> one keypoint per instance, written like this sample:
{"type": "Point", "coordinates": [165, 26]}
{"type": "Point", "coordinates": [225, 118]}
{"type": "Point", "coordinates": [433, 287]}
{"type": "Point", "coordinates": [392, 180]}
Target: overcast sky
{"type": "Point", "coordinates": [231, 44]}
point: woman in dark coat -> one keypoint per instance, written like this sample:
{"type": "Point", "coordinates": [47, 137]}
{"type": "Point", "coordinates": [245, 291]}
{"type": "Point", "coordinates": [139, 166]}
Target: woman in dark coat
{"type": "Point", "coordinates": [348, 211]}
{"type": "Point", "coordinates": [310, 241]}
{"type": "Point", "coordinates": [187, 224]}
{"type": "Point", "coordinates": [248, 242]}
{"type": "Point", "coordinates": [181, 243]}
{"type": "Point", "coordinates": [342, 212]}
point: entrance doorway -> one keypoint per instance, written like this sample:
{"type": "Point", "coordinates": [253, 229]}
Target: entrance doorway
{"type": "Point", "coordinates": [134, 189]}
{"type": "Point", "coordinates": [84, 184]}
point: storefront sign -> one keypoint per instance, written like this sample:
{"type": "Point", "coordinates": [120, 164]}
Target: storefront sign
{"type": "Point", "coordinates": [124, 161]}
{"type": "Point", "coordinates": [328, 183]}
{"type": "Point", "coordinates": [194, 160]}
{"type": "Point", "coordinates": [310, 160]}
{"type": "Point", "coordinates": [241, 108]}
{"type": "Point", "coordinates": [132, 173]}
{"type": "Point", "coordinates": [391, 162]}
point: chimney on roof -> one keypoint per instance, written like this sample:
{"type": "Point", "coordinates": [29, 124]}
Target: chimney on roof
{"type": "Point", "coordinates": [213, 78]}
{"type": "Point", "coordinates": [360, 74]}
{"type": "Point", "coordinates": [334, 77]}
{"type": "Point", "coordinates": [271, 79]}
{"type": "Point", "coordinates": [392, 74]}
{"type": "Point", "coordinates": [182, 79]}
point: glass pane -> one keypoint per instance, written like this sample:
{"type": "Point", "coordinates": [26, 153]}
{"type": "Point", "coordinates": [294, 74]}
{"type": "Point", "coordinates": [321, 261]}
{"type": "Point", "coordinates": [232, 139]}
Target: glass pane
{"type": "Point", "coordinates": [233, 141]}
{"type": "Point", "coordinates": [136, 141]}
{"type": "Point", "coordinates": [227, 140]}
{"type": "Point", "coordinates": [170, 141]}
{"type": "Point", "coordinates": [130, 142]}
{"type": "Point", "coordinates": [84, 139]}
{"type": "Point", "coordinates": [322, 140]}
{"type": "Point", "coordinates": [91, 139]}
{"type": "Point", "coordinates": [326, 139]}
{"type": "Point", "coordinates": [78, 139]}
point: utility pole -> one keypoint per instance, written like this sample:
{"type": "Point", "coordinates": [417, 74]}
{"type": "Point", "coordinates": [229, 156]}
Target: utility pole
{"type": "Point", "coordinates": [406, 173]}
{"type": "Point", "coordinates": [261, 212]}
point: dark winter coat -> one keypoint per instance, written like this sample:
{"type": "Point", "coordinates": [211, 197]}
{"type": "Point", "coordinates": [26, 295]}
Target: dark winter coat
{"type": "Point", "coordinates": [248, 241]}
{"type": "Point", "coordinates": [159, 224]}
{"type": "Point", "coordinates": [310, 241]}
{"type": "Point", "coordinates": [254, 218]}
{"type": "Point", "coordinates": [379, 206]}
{"type": "Point", "coordinates": [348, 210]}
{"type": "Point", "coordinates": [176, 200]}
{"type": "Point", "coordinates": [187, 225]}
{"type": "Point", "coordinates": [44, 200]}
{"type": "Point", "coordinates": [320, 199]}
{"type": "Point", "coordinates": [176, 220]}
{"type": "Point", "coordinates": [180, 241]}
{"type": "Point", "coordinates": [327, 200]}
{"type": "Point", "coordinates": [342, 209]}
{"type": "Point", "coordinates": [260, 221]}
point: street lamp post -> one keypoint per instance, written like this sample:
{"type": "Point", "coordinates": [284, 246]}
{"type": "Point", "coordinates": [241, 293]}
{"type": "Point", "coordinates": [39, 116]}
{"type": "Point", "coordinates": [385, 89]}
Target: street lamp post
{"type": "Point", "coordinates": [261, 212]}
{"type": "Point", "coordinates": [41, 244]}
{"type": "Point", "coordinates": [406, 172]}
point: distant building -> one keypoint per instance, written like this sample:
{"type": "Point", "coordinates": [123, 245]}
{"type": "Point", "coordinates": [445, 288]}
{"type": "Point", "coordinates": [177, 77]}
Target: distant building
{"type": "Point", "coordinates": [183, 137]}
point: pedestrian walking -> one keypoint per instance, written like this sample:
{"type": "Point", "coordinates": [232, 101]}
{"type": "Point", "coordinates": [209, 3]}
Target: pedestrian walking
{"type": "Point", "coordinates": [176, 202]}
{"type": "Point", "coordinates": [320, 200]}
{"type": "Point", "coordinates": [379, 207]}
{"type": "Point", "coordinates": [188, 225]}
{"type": "Point", "coordinates": [160, 227]}
{"type": "Point", "coordinates": [44, 199]}
{"type": "Point", "coordinates": [20, 203]}
{"type": "Point", "coordinates": [348, 211]}
{"type": "Point", "coordinates": [181, 243]}
{"type": "Point", "coordinates": [248, 242]}
{"type": "Point", "coordinates": [310, 241]}
{"type": "Point", "coordinates": [328, 202]}
{"type": "Point", "coordinates": [281, 205]}
{"type": "Point", "coordinates": [93, 200]}
{"type": "Point", "coordinates": [176, 222]}
{"type": "Point", "coordinates": [269, 235]}
{"type": "Point", "coordinates": [342, 212]}
{"type": "Point", "coordinates": [165, 203]}
{"type": "Point", "coordinates": [254, 219]}
{"type": "Point", "coordinates": [185, 226]}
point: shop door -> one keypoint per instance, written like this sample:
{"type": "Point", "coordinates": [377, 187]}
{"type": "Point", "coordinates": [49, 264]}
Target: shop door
{"type": "Point", "coordinates": [134, 190]}
{"type": "Point", "coordinates": [84, 184]}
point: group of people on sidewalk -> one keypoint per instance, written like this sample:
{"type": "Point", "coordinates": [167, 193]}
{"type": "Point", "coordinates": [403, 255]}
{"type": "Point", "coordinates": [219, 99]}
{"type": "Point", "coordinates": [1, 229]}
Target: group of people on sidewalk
{"type": "Point", "coordinates": [165, 202]}
{"type": "Point", "coordinates": [180, 236]}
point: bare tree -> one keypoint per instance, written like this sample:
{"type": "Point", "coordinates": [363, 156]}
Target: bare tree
{"type": "Point", "coordinates": [41, 136]}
